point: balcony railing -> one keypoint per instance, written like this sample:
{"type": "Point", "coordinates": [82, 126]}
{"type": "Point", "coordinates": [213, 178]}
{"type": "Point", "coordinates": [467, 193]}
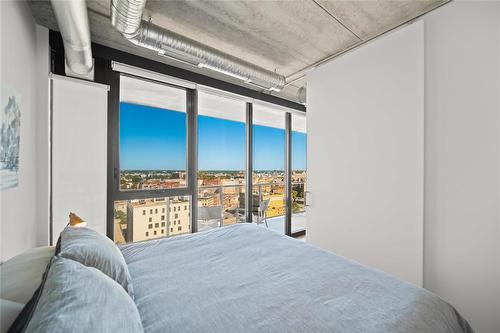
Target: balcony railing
{"type": "Point", "coordinates": [232, 203]}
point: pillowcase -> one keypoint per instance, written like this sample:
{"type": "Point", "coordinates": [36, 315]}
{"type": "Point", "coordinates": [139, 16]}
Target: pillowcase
{"type": "Point", "coordinates": [22, 320]}
{"type": "Point", "coordinates": [92, 249]}
{"type": "Point", "coordinates": [77, 298]}
{"type": "Point", "coordinates": [21, 275]}
{"type": "Point", "coordinates": [8, 312]}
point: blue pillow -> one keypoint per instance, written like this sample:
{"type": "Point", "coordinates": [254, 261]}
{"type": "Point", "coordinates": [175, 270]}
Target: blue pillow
{"type": "Point", "coordinates": [75, 298]}
{"type": "Point", "coordinates": [92, 249]}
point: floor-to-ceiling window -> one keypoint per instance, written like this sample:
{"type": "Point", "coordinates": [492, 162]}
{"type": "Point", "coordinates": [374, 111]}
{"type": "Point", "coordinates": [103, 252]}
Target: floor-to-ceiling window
{"type": "Point", "coordinates": [186, 159]}
{"type": "Point", "coordinates": [299, 172]}
{"type": "Point", "coordinates": [152, 160]}
{"type": "Point", "coordinates": [221, 160]}
{"type": "Point", "coordinates": [269, 167]}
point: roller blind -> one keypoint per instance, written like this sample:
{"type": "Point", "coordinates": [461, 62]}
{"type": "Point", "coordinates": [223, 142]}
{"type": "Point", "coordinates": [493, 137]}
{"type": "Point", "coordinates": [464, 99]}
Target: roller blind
{"type": "Point", "coordinates": [79, 152]}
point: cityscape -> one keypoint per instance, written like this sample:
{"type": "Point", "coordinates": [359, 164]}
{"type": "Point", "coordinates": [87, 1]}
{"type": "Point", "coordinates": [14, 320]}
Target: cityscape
{"type": "Point", "coordinates": [142, 219]}
{"type": "Point", "coordinates": [153, 155]}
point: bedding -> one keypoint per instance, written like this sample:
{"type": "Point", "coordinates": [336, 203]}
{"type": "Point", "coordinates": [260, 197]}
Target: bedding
{"type": "Point", "coordinates": [76, 298]}
{"type": "Point", "coordinates": [8, 312]}
{"type": "Point", "coordinates": [245, 278]}
{"type": "Point", "coordinates": [21, 275]}
{"type": "Point", "coordinates": [93, 249]}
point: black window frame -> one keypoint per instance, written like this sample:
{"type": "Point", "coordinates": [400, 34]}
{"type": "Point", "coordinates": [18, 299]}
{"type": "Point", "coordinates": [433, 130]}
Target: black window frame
{"type": "Point", "coordinates": [103, 73]}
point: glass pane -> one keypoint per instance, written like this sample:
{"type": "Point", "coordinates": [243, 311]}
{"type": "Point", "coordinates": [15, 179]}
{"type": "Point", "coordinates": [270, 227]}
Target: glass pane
{"type": "Point", "coordinates": [269, 167]}
{"type": "Point", "coordinates": [143, 219]}
{"type": "Point", "coordinates": [299, 172]}
{"type": "Point", "coordinates": [221, 161]}
{"type": "Point", "coordinates": [153, 135]}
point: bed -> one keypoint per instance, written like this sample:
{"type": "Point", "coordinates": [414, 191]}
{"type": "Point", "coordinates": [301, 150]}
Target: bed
{"type": "Point", "coordinates": [245, 278]}
{"type": "Point", "coordinates": [240, 278]}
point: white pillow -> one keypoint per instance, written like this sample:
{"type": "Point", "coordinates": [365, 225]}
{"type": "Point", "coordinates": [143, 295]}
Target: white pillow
{"type": "Point", "coordinates": [8, 313]}
{"type": "Point", "coordinates": [22, 274]}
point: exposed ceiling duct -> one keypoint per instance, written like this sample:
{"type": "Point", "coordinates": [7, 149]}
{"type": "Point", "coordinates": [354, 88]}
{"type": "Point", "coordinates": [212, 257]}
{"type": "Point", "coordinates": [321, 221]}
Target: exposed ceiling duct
{"type": "Point", "coordinates": [126, 17]}
{"type": "Point", "coordinates": [73, 23]}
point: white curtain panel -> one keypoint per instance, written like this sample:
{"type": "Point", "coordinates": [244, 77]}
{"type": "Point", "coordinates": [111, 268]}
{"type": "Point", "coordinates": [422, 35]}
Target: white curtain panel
{"type": "Point", "coordinates": [79, 152]}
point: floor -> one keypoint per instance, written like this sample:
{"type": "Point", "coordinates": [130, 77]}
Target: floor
{"type": "Point", "coordinates": [274, 223]}
{"type": "Point", "coordinates": [278, 223]}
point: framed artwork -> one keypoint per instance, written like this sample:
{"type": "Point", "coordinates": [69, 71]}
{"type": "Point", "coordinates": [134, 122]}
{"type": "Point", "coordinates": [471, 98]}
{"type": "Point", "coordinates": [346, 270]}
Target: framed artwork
{"type": "Point", "coordinates": [10, 137]}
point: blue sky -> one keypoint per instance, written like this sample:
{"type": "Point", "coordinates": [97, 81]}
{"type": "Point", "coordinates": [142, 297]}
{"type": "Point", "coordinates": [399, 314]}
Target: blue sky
{"type": "Point", "coordinates": [155, 139]}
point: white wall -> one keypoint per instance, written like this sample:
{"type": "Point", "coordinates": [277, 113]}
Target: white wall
{"type": "Point", "coordinates": [462, 156]}
{"type": "Point", "coordinates": [462, 160]}
{"type": "Point", "coordinates": [18, 48]}
{"type": "Point", "coordinates": [365, 154]}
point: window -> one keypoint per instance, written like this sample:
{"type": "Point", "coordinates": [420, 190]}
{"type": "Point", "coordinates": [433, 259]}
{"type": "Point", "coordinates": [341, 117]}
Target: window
{"type": "Point", "coordinates": [269, 165]}
{"type": "Point", "coordinates": [299, 172]}
{"type": "Point", "coordinates": [153, 157]}
{"type": "Point", "coordinates": [154, 232]}
{"type": "Point", "coordinates": [153, 135]}
{"type": "Point", "coordinates": [221, 160]}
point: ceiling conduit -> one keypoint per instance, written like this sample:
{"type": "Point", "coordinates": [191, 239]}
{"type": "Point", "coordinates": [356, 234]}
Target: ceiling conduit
{"type": "Point", "coordinates": [126, 17]}
{"type": "Point", "coordinates": [73, 22]}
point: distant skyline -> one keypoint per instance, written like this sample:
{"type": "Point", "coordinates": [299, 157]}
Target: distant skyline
{"type": "Point", "coordinates": [155, 139]}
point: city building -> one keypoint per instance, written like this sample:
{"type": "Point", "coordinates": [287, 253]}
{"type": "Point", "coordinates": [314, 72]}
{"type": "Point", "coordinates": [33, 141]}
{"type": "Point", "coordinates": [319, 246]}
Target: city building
{"type": "Point", "coordinates": [156, 218]}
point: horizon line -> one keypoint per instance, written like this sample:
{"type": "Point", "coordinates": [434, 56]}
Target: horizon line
{"type": "Point", "coordinates": [213, 170]}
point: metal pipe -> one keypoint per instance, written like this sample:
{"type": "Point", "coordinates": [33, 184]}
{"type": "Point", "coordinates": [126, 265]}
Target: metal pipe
{"type": "Point", "coordinates": [126, 18]}
{"type": "Point", "coordinates": [73, 22]}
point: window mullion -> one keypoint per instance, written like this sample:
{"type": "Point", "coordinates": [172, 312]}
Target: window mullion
{"type": "Point", "coordinates": [192, 111]}
{"type": "Point", "coordinates": [288, 174]}
{"type": "Point", "coordinates": [249, 163]}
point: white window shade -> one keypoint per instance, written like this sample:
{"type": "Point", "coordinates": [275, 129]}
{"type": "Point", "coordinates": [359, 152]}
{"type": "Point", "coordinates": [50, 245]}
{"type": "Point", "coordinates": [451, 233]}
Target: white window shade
{"type": "Point", "coordinates": [144, 92]}
{"type": "Point", "coordinates": [79, 152]}
{"type": "Point", "coordinates": [268, 116]}
{"type": "Point", "coordinates": [212, 105]}
{"type": "Point", "coordinates": [299, 123]}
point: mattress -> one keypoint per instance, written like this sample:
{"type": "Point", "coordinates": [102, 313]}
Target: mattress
{"type": "Point", "coordinates": [245, 278]}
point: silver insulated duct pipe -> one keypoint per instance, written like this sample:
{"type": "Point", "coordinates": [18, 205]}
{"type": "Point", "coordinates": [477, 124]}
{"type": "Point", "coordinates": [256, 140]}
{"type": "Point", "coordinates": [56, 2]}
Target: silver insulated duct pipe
{"type": "Point", "coordinates": [126, 17]}
{"type": "Point", "coordinates": [73, 22]}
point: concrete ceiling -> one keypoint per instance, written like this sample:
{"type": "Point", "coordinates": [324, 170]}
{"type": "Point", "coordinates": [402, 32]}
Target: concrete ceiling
{"type": "Point", "coordinates": [286, 36]}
